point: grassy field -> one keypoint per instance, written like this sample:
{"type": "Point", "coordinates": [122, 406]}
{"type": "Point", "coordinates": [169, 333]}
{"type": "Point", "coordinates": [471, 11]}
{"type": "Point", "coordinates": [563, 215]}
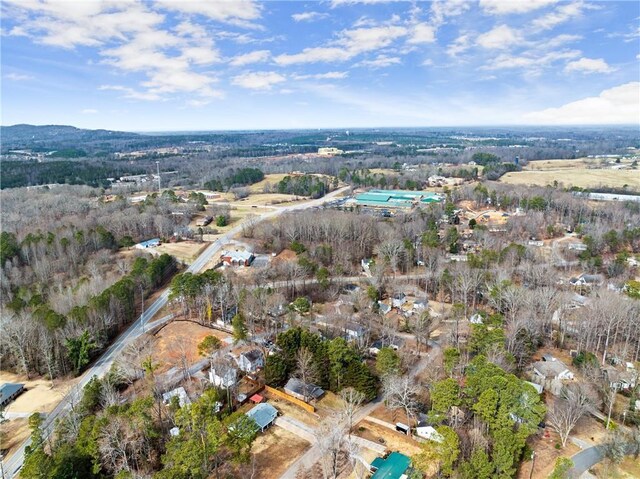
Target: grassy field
{"type": "Point", "coordinates": [580, 177]}
{"type": "Point", "coordinates": [581, 172]}
{"type": "Point", "coordinates": [186, 251]}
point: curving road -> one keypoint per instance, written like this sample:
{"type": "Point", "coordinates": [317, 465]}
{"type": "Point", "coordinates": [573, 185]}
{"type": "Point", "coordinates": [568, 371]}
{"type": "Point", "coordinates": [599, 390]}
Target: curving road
{"type": "Point", "coordinates": [102, 365]}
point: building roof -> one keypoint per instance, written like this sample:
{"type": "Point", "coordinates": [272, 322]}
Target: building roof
{"type": "Point", "coordinates": [180, 393]}
{"type": "Point", "coordinates": [238, 255]}
{"type": "Point", "coordinates": [393, 467]}
{"type": "Point", "coordinates": [252, 355]}
{"type": "Point", "coordinates": [263, 414]}
{"type": "Point", "coordinates": [550, 368]}
{"type": "Point", "coordinates": [298, 387]}
{"type": "Point", "coordinates": [9, 389]}
{"type": "Point", "coordinates": [149, 242]}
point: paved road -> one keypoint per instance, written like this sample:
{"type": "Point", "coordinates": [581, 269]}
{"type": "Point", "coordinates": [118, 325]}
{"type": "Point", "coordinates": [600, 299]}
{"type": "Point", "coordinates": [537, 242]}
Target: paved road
{"type": "Point", "coordinates": [102, 365]}
{"type": "Point", "coordinates": [583, 460]}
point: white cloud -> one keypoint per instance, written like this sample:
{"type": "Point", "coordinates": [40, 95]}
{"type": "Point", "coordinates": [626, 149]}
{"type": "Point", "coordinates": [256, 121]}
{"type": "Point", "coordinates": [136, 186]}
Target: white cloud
{"type": "Point", "coordinates": [505, 7]}
{"type": "Point", "coordinates": [132, 37]}
{"type": "Point", "coordinates": [339, 3]}
{"type": "Point", "coordinates": [381, 61]}
{"type": "Point", "coordinates": [350, 44]}
{"type": "Point", "coordinates": [563, 13]}
{"type": "Point", "coordinates": [588, 65]}
{"type": "Point", "coordinates": [500, 37]}
{"type": "Point", "coordinates": [617, 105]}
{"type": "Point", "coordinates": [422, 33]}
{"type": "Point", "coordinates": [308, 16]}
{"type": "Point", "coordinates": [441, 10]}
{"type": "Point", "coordinates": [532, 60]}
{"type": "Point", "coordinates": [18, 77]}
{"type": "Point", "coordinates": [131, 93]}
{"type": "Point", "coordinates": [239, 12]}
{"type": "Point", "coordinates": [323, 76]}
{"type": "Point", "coordinates": [258, 80]}
{"type": "Point", "coordinates": [251, 57]}
{"type": "Point", "coordinates": [459, 45]}
{"type": "Point", "coordinates": [89, 111]}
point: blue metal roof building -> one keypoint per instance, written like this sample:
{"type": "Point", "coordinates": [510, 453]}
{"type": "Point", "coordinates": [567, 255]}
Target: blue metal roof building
{"type": "Point", "coordinates": [263, 414]}
{"type": "Point", "coordinates": [10, 391]}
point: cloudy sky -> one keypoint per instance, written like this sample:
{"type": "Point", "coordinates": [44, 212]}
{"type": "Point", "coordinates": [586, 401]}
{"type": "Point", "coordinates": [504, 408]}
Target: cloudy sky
{"type": "Point", "coordinates": [199, 65]}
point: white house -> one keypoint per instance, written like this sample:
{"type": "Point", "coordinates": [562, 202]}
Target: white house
{"type": "Point", "coordinates": [429, 432]}
{"type": "Point", "coordinates": [180, 393]}
{"type": "Point", "coordinates": [398, 300]}
{"type": "Point", "coordinates": [223, 376]}
{"type": "Point", "coordinates": [250, 361]}
{"type": "Point", "coordinates": [476, 319]}
{"type": "Point", "coordinates": [552, 370]}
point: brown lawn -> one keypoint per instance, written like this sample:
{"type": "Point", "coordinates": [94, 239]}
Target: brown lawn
{"type": "Point", "coordinates": [275, 451]}
{"type": "Point", "coordinates": [393, 440]}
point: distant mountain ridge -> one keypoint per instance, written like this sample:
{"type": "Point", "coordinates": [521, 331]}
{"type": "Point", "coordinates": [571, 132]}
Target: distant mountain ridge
{"type": "Point", "coordinates": [24, 135]}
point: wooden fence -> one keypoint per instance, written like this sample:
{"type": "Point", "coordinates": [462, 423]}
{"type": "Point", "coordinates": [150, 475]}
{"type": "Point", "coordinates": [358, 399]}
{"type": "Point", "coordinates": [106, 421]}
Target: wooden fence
{"type": "Point", "coordinates": [291, 399]}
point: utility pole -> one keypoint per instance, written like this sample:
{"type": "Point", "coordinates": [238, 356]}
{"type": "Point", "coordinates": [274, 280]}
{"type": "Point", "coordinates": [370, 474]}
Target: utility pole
{"type": "Point", "coordinates": [158, 171]}
{"type": "Point", "coordinates": [533, 463]}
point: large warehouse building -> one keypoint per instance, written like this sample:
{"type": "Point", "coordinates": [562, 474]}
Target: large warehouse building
{"type": "Point", "coordinates": [395, 198]}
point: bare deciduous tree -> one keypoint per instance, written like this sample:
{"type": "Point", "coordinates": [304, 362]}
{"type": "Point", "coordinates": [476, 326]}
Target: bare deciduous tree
{"type": "Point", "coordinates": [568, 410]}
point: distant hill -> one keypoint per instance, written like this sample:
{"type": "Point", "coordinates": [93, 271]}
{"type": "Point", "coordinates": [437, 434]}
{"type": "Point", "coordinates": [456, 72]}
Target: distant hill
{"type": "Point", "coordinates": [56, 136]}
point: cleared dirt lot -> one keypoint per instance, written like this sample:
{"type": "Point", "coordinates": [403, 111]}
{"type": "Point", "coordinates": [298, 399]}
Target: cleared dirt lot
{"type": "Point", "coordinates": [275, 451]}
{"type": "Point", "coordinates": [180, 338]}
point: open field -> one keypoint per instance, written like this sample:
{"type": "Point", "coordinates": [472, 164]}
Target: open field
{"type": "Point", "coordinates": [269, 181]}
{"type": "Point", "coordinates": [38, 395]}
{"type": "Point", "coordinates": [582, 178]}
{"type": "Point", "coordinates": [583, 173]}
{"type": "Point", "coordinates": [180, 338]}
{"type": "Point", "coordinates": [185, 251]}
{"type": "Point", "coordinates": [275, 450]}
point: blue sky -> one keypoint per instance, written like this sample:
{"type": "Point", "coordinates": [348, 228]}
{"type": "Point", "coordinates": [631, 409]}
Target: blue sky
{"type": "Point", "coordinates": [200, 65]}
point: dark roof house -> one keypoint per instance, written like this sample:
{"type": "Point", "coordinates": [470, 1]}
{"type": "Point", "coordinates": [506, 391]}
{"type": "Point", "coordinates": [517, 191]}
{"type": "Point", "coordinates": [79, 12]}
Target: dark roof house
{"type": "Point", "coordinates": [10, 391]}
{"type": "Point", "coordinates": [303, 391]}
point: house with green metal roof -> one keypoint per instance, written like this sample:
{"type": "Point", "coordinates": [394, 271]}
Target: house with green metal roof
{"type": "Point", "coordinates": [394, 466]}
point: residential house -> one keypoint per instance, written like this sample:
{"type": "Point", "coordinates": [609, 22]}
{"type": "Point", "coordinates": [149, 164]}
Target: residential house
{"type": "Point", "coordinates": [10, 391]}
{"type": "Point", "coordinates": [398, 300]}
{"type": "Point", "coordinates": [429, 432]}
{"type": "Point", "coordinates": [180, 393]}
{"type": "Point", "coordinates": [237, 258]}
{"type": "Point", "coordinates": [223, 375]}
{"type": "Point", "coordinates": [538, 387]}
{"type": "Point", "coordinates": [587, 280]}
{"type": "Point", "coordinates": [303, 391]}
{"type": "Point", "coordinates": [476, 319]}
{"type": "Point", "coordinates": [394, 344]}
{"type": "Point", "coordinates": [264, 414]}
{"type": "Point", "coordinates": [152, 243]}
{"type": "Point", "coordinates": [366, 264]}
{"type": "Point", "coordinates": [384, 307]}
{"type": "Point", "coordinates": [552, 370]}
{"type": "Point", "coordinates": [250, 361]}
{"type": "Point", "coordinates": [620, 380]}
